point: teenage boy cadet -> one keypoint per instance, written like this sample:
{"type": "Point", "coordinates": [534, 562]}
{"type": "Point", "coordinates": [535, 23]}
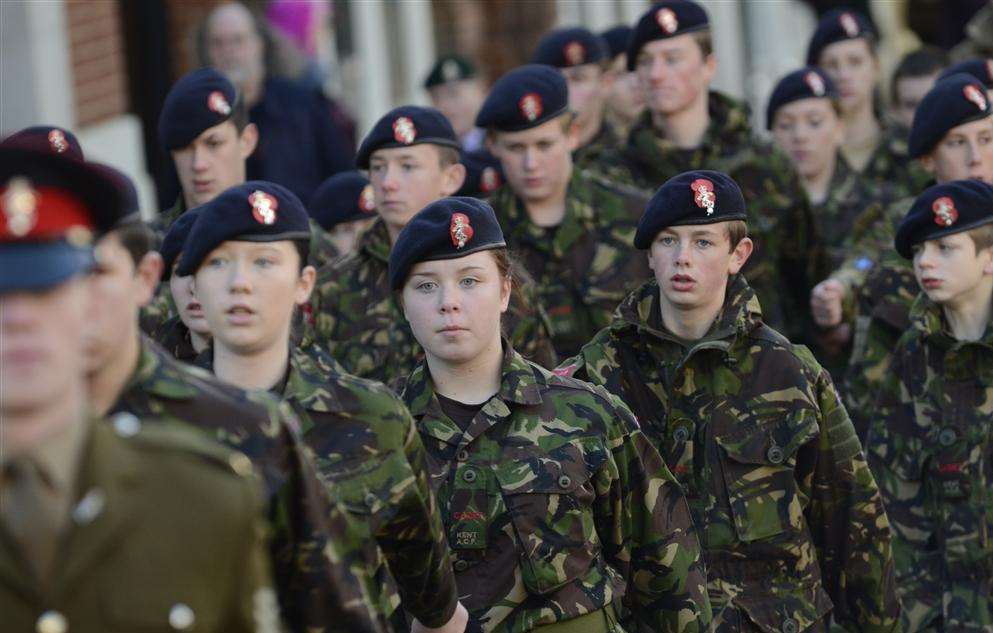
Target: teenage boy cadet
{"type": "Point", "coordinates": [952, 137]}
{"type": "Point", "coordinates": [929, 445]}
{"type": "Point", "coordinates": [456, 90]}
{"type": "Point", "coordinates": [412, 157]}
{"type": "Point", "coordinates": [687, 126]}
{"type": "Point", "coordinates": [583, 58]}
{"type": "Point", "coordinates": [624, 101]}
{"type": "Point", "coordinates": [790, 519]}
{"type": "Point", "coordinates": [913, 78]}
{"type": "Point", "coordinates": [572, 231]}
{"type": "Point", "coordinates": [105, 525]}
{"type": "Point", "coordinates": [344, 205]}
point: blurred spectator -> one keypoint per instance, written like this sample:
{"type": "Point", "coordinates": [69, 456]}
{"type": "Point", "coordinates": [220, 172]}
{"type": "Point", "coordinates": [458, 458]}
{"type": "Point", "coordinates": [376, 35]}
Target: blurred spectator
{"type": "Point", "coordinates": [912, 78]}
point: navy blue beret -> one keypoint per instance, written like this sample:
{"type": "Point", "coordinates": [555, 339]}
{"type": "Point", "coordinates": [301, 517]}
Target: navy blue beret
{"type": "Point", "coordinates": [524, 98]}
{"type": "Point", "coordinates": [445, 229]}
{"type": "Point", "coordinates": [836, 26]}
{"type": "Point", "coordinates": [450, 68]}
{"type": "Point", "coordinates": [806, 83]}
{"type": "Point", "coordinates": [950, 207]}
{"type": "Point", "coordinates": [951, 102]}
{"type": "Point", "coordinates": [981, 69]}
{"type": "Point", "coordinates": [574, 46]}
{"type": "Point", "coordinates": [256, 211]}
{"type": "Point", "coordinates": [199, 101]}
{"type": "Point", "coordinates": [407, 125]}
{"type": "Point", "coordinates": [483, 174]}
{"type": "Point", "coordinates": [128, 192]}
{"type": "Point", "coordinates": [665, 20]}
{"type": "Point", "coordinates": [617, 39]}
{"type": "Point", "coordinates": [344, 197]}
{"type": "Point", "coordinates": [175, 239]}
{"type": "Point", "coordinates": [46, 138]}
{"type": "Point", "coordinates": [693, 197]}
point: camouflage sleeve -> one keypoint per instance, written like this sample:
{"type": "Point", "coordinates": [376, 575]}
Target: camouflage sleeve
{"type": "Point", "coordinates": [530, 331]}
{"type": "Point", "coordinates": [415, 543]}
{"type": "Point", "coordinates": [157, 311]}
{"type": "Point", "coordinates": [644, 522]}
{"type": "Point", "coordinates": [848, 524]}
{"type": "Point", "coordinates": [322, 309]}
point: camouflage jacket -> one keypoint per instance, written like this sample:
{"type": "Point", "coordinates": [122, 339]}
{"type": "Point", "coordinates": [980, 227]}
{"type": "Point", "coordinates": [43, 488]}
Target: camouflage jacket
{"type": "Point", "coordinates": [370, 455]}
{"type": "Point", "coordinates": [584, 266]}
{"type": "Point", "coordinates": [322, 249]}
{"type": "Point", "coordinates": [357, 319]}
{"type": "Point", "coordinates": [174, 337]}
{"type": "Point", "coordinates": [790, 519]}
{"type": "Point", "coordinates": [931, 448]}
{"type": "Point", "coordinates": [316, 593]}
{"type": "Point", "coordinates": [591, 154]}
{"type": "Point", "coordinates": [890, 164]}
{"type": "Point", "coordinates": [155, 314]}
{"type": "Point", "coordinates": [162, 223]}
{"type": "Point", "coordinates": [787, 257]}
{"type": "Point", "coordinates": [555, 505]}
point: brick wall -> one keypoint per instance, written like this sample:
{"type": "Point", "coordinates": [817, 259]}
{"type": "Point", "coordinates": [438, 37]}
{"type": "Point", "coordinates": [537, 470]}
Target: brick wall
{"type": "Point", "coordinates": [96, 51]}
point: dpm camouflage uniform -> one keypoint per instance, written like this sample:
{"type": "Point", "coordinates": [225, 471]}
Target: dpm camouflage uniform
{"type": "Point", "coordinates": [357, 319]}
{"type": "Point", "coordinates": [787, 257]}
{"type": "Point", "coordinates": [930, 447]}
{"type": "Point", "coordinates": [322, 249]}
{"type": "Point", "coordinates": [174, 337]}
{"type": "Point", "coordinates": [790, 519]}
{"type": "Point", "coordinates": [584, 266]}
{"type": "Point", "coordinates": [555, 505]}
{"type": "Point", "coordinates": [890, 165]}
{"type": "Point", "coordinates": [316, 593]}
{"type": "Point", "coordinates": [606, 141]}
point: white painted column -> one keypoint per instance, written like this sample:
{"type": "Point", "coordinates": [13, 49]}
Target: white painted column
{"type": "Point", "coordinates": [417, 42]}
{"type": "Point", "coordinates": [728, 32]}
{"type": "Point", "coordinates": [374, 68]}
{"type": "Point", "coordinates": [600, 15]}
{"type": "Point", "coordinates": [568, 13]}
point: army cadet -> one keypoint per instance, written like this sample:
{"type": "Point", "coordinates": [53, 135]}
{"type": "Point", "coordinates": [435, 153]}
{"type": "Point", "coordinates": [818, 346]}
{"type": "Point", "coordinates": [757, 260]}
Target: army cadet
{"type": "Point", "coordinates": [624, 101]}
{"type": "Point", "coordinates": [844, 45]}
{"type": "Point", "coordinates": [952, 137]}
{"type": "Point", "coordinates": [560, 515]}
{"type": "Point", "coordinates": [187, 333]}
{"type": "Point", "coordinates": [412, 157]}
{"type": "Point", "coordinates": [46, 138]}
{"type": "Point", "coordinates": [582, 57]}
{"type": "Point", "coordinates": [688, 126]}
{"type": "Point", "coordinates": [344, 205]}
{"type": "Point", "coordinates": [247, 251]}
{"type": "Point", "coordinates": [103, 527]}
{"type": "Point", "coordinates": [929, 445]}
{"type": "Point", "coordinates": [791, 522]}
{"type": "Point", "coordinates": [572, 231]}
{"type": "Point", "coordinates": [912, 78]}
{"type": "Point", "coordinates": [456, 90]}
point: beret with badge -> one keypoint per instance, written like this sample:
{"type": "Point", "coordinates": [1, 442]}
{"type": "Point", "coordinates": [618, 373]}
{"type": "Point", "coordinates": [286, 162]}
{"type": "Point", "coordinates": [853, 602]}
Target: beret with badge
{"type": "Point", "coordinates": [665, 20]}
{"type": "Point", "coordinates": [445, 229]}
{"type": "Point", "coordinates": [951, 207]}
{"type": "Point", "coordinates": [483, 174]}
{"type": "Point", "coordinates": [524, 98]}
{"type": "Point", "coordinates": [344, 197]}
{"type": "Point", "coordinates": [568, 47]}
{"type": "Point", "coordinates": [980, 68]}
{"type": "Point", "coordinates": [616, 39]}
{"type": "Point", "coordinates": [405, 126]}
{"type": "Point", "coordinates": [806, 83]}
{"type": "Point", "coordinates": [835, 26]}
{"type": "Point", "coordinates": [450, 68]}
{"type": "Point", "coordinates": [52, 209]}
{"type": "Point", "coordinates": [175, 239]}
{"type": "Point", "coordinates": [952, 101]}
{"type": "Point", "coordinates": [46, 138]}
{"type": "Point", "coordinates": [255, 211]}
{"type": "Point", "coordinates": [690, 198]}
{"type": "Point", "coordinates": [197, 102]}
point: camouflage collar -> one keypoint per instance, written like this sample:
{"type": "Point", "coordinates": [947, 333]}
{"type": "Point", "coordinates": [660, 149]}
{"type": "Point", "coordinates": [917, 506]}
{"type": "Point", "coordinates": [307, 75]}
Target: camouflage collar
{"type": "Point", "coordinates": [157, 374]}
{"type": "Point", "coordinates": [310, 381]}
{"type": "Point", "coordinates": [729, 129]}
{"type": "Point", "coordinates": [170, 215]}
{"type": "Point", "coordinates": [929, 320]}
{"type": "Point", "coordinates": [375, 242]}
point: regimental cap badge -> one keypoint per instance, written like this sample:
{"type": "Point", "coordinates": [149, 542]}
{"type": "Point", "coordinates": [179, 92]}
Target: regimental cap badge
{"type": "Point", "coordinates": [945, 213]}
{"type": "Point", "coordinates": [367, 199]}
{"type": "Point", "coordinates": [404, 130]}
{"type": "Point", "coordinates": [489, 180]}
{"type": "Point", "coordinates": [574, 53]}
{"type": "Point", "coordinates": [58, 141]}
{"type": "Point", "coordinates": [460, 230]}
{"type": "Point", "coordinates": [848, 24]}
{"type": "Point", "coordinates": [217, 102]}
{"type": "Point", "coordinates": [667, 20]}
{"type": "Point", "coordinates": [974, 94]}
{"type": "Point", "coordinates": [20, 206]}
{"type": "Point", "coordinates": [450, 70]}
{"type": "Point", "coordinates": [815, 83]}
{"type": "Point", "coordinates": [530, 106]}
{"type": "Point", "coordinates": [263, 207]}
{"type": "Point", "coordinates": [704, 195]}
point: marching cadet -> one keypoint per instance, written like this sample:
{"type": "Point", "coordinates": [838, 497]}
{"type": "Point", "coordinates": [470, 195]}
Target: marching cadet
{"type": "Point", "coordinates": [560, 515]}
{"type": "Point", "coordinates": [930, 441]}
{"type": "Point", "coordinates": [624, 101]}
{"type": "Point", "coordinates": [572, 231]}
{"type": "Point", "coordinates": [46, 139]}
{"type": "Point", "coordinates": [791, 522]}
{"type": "Point", "coordinates": [952, 137]}
{"type": "Point", "coordinates": [582, 57]}
{"type": "Point", "coordinates": [844, 45]}
{"type": "Point", "coordinates": [913, 78]}
{"type": "Point", "coordinates": [456, 90]}
{"type": "Point", "coordinates": [344, 205]}
{"type": "Point", "coordinates": [186, 334]}
{"type": "Point", "coordinates": [248, 252]}
{"type": "Point", "coordinates": [688, 126]}
{"type": "Point", "coordinates": [412, 158]}
{"type": "Point", "coordinates": [103, 526]}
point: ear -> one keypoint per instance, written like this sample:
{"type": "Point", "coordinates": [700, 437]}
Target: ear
{"type": "Point", "coordinates": [248, 140]}
{"type": "Point", "coordinates": [927, 162]}
{"type": "Point", "coordinates": [988, 264]}
{"type": "Point", "coordinates": [710, 67]}
{"type": "Point", "coordinates": [305, 285]}
{"type": "Point", "coordinates": [740, 255]}
{"type": "Point", "coordinates": [454, 177]}
{"type": "Point", "coordinates": [572, 134]}
{"type": "Point", "coordinates": [506, 287]}
{"type": "Point", "coordinates": [147, 276]}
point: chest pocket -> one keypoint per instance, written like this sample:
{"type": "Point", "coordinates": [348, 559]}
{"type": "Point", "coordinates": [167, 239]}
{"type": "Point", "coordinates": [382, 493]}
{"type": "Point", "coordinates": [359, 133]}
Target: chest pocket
{"type": "Point", "coordinates": [758, 468]}
{"type": "Point", "coordinates": [368, 487]}
{"type": "Point", "coordinates": [550, 500]}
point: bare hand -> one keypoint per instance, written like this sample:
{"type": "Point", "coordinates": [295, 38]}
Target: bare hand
{"type": "Point", "coordinates": [825, 302]}
{"type": "Point", "coordinates": [456, 624]}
